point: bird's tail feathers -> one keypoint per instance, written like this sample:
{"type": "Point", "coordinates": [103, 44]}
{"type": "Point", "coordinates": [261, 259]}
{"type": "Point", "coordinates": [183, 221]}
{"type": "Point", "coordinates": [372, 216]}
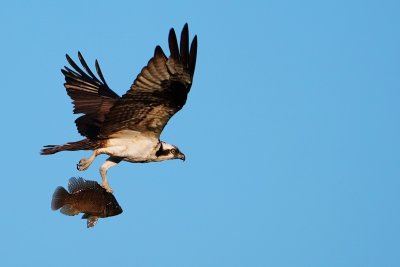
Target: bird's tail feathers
{"type": "Point", "coordinates": [85, 144]}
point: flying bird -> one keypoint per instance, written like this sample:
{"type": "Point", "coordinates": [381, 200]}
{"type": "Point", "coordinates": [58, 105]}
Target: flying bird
{"type": "Point", "coordinates": [128, 128]}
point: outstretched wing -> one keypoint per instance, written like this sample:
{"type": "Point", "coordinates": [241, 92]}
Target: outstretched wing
{"type": "Point", "coordinates": [158, 92]}
{"type": "Point", "coordinates": [89, 95]}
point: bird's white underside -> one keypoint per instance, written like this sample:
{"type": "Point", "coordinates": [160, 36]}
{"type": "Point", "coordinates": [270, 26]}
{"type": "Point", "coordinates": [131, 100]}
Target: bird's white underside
{"type": "Point", "coordinates": [131, 146]}
{"type": "Point", "coordinates": [127, 145]}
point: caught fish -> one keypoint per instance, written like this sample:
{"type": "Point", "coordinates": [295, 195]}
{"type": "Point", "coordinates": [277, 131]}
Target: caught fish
{"type": "Point", "coordinates": [87, 197]}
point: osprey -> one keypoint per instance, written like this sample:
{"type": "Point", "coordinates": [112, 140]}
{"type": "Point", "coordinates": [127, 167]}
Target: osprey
{"type": "Point", "coordinates": [128, 128]}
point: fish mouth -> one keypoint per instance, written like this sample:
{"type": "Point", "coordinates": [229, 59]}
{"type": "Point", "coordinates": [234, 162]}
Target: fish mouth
{"type": "Point", "coordinates": [114, 212]}
{"type": "Point", "coordinates": [117, 211]}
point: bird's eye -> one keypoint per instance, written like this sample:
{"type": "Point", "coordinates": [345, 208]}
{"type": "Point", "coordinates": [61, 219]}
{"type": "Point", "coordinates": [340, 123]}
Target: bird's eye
{"type": "Point", "coordinates": [173, 151]}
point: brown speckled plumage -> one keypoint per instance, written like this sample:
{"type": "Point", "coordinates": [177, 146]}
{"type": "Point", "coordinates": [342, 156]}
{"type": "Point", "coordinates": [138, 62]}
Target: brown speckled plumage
{"type": "Point", "coordinates": [158, 92]}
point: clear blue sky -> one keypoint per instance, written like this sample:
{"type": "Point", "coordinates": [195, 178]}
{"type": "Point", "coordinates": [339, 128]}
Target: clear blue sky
{"type": "Point", "coordinates": [291, 134]}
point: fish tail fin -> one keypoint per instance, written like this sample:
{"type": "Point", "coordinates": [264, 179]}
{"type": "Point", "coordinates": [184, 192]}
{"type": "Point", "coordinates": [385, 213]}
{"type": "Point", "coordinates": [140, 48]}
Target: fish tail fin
{"type": "Point", "coordinates": [85, 144]}
{"type": "Point", "coordinates": [59, 198]}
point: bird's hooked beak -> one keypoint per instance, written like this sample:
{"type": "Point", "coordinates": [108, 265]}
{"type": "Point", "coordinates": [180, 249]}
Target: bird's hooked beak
{"type": "Point", "coordinates": [181, 156]}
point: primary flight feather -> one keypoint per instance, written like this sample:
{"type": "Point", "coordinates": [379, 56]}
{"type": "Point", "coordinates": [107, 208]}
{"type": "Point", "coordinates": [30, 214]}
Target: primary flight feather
{"type": "Point", "coordinates": [128, 128]}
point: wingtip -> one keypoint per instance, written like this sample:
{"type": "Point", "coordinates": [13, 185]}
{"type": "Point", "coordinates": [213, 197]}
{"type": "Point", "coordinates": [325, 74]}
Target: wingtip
{"type": "Point", "coordinates": [171, 33]}
{"type": "Point", "coordinates": [97, 66]}
{"type": "Point", "coordinates": [173, 44]}
{"type": "Point", "coordinates": [193, 55]}
{"type": "Point", "coordinates": [157, 49]}
{"type": "Point", "coordinates": [195, 40]}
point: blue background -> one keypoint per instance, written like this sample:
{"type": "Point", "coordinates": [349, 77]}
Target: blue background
{"type": "Point", "coordinates": [291, 134]}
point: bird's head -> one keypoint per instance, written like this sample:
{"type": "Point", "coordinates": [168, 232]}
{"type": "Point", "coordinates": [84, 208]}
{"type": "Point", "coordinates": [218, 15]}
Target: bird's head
{"type": "Point", "coordinates": [168, 151]}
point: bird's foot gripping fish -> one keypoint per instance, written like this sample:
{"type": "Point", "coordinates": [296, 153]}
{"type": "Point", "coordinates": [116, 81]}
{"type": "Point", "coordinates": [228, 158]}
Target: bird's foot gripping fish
{"type": "Point", "coordinates": [86, 197]}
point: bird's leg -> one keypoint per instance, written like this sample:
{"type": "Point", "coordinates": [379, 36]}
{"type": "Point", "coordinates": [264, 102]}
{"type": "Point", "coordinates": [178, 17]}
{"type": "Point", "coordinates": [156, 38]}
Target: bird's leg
{"type": "Point", "coordinates": [110, 162]}
{"type": "Point", "coordinates": [85, 163]}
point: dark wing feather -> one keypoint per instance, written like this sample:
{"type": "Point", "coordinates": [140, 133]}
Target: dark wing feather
{"type": "Point", "coordinates": [158, 92]}
{"type": "Point", "coordinates": [89, 95]}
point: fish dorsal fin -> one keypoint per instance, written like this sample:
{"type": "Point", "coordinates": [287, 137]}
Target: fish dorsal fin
{"type": "Point", "coordinates": [76, 185]}
{"type": "Point", "coordinates": [69, 210]}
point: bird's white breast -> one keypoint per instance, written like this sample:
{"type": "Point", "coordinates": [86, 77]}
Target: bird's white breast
{"type": "Point", "coordinates": [132, 146]}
